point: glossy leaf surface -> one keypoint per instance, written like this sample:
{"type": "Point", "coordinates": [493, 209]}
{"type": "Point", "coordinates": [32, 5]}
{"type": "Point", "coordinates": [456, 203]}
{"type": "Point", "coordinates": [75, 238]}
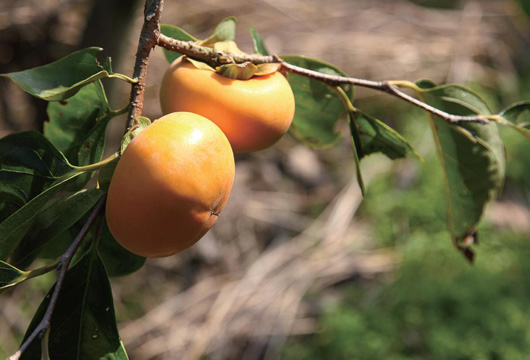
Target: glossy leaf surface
{"type": "Point", "coordinates": [83, 325]}
{"type": "Point", "coordinates": [77, 126]}
{"type": "Point", "coordinates": [29, 163]}
{"type": "Point", "coordinates": [53, 221]}
{"type": "Point", "coordinates": [63, 78]}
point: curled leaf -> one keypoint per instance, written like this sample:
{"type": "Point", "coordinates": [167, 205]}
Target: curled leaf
{"type": "Point", "coordinates": [517, 116]}
{"type": "Point", "coordinates": [242, 71]}
{"type": "Point", "coordinates": [141, 123]}
{"type": "Point", "coordinates": [267, 69]}
{"type": "Point", "coordinates": [228, 46]}
{"type": "Point", "coordinates": [199, 64]}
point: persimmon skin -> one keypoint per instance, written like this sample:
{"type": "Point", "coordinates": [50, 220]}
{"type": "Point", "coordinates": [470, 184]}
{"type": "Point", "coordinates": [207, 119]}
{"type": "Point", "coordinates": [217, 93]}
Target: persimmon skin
{"type": "Point", "coordinates": [170, 185]}
{"type": "Point", "coordinates": [253, 114]}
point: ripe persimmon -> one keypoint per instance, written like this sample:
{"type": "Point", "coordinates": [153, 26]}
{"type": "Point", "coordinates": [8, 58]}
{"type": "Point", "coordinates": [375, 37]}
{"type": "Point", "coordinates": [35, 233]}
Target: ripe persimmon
{"type": "Point", "coordinates": [252, 113]}
{"type": "Point", "coordinates": [170, 185]}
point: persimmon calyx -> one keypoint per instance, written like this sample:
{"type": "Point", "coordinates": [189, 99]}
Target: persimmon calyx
{"type": "Point", "coordinates": [243, 71]}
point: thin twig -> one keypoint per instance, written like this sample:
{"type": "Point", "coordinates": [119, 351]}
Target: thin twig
{"type": "Point", "coordinates": [62, 268]}
{"type": "Point", "coordinates": [208, 55]}
{"type": "Point", "coordinates": [215, 58]}
{"type": "Point", "coordinates": [148, 39]}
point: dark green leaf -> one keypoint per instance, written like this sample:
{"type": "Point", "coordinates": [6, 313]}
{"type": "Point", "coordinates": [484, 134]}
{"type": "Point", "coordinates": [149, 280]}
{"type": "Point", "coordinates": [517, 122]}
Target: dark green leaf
{"type": "Point", "coordinates": [77, 127]}
{"type": "Point", "coordinates": [259, 44]}
{"type": "Point", "coordinates": [28, 164]}
{"type": "Point", "coordinates": [376, 136]}
{"type": "Point", "coordinates": [517, 116]}
{"type": "Point", "coordinates": [225, 30]}
{"type": "Point", "coordinates": [16, 226]}
{"type": "Point", "coordinates": [474, 171]}
{"type": "Point", "coordinates": [83, 325]}
{"type": "Point", "coordinates": [53, 221]}
{"type": "Point", "coordinates": [62, 78]}
{"type": "Point", "coordinates": [175, 33]}
{"type": "Point", "coordinates": [118, 261]}
{"type": "Point", "coordinates": [318, 107]}
{"type": "Point", "coordinates": [70, 120]}
{"type": "Point", "coordinates": [105, 175]}
{"type": "Point", "coordinates": [356, 159]}
{"type": "Point", "coordinates": [10, 275]}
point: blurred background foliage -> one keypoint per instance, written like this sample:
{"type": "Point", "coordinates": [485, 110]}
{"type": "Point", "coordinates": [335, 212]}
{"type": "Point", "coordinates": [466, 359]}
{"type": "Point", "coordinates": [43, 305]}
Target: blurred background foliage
{"type": "Point", "coordinates": [287, 273]}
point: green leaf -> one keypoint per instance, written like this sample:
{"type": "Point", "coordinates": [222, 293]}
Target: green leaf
{"type": "Point", "coordinates": [63, 78]}
{"type": "Point", "coordinates": [70, 120]}
{"type": "Point", "coordinates": [83, 324]}
{"type": "Point", "coordinates": [474, 171]}
{"type": "Point", "coordinates": [53, 221]}
{"type": "Point", "coordinates": [17, 225]}
{"type": "Point", "coordinates": [105, 175]}
{"type": "Point", "coordinates": [175, 33]}
{"type": "Point", "coordinates": [517, 116]}
{"type": "Point", "coordinates": [259, 44]}
{"type": "Point", "coordinates": [77, 126]}
{"type": "Point", "coordinates": [225, 30]}
{"type": "Point", "coordinates": [318, 107]}
{"type": "Point", "coordinates": [242, 71]}
{"type": "Point", "coordinates": [141, 123]}
{"type": "Point", "coordinates": [376, 136]}
{"type": "Point", "coordinates": [10, 275]}
{"type": "Point", "coordinates": [29, 163]}
{"type": "Point", "coordinates": [118, 261]}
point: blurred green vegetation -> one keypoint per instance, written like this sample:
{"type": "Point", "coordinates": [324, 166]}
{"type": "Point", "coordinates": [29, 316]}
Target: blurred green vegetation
{"type": "Point", "coordinates": [437, 305]}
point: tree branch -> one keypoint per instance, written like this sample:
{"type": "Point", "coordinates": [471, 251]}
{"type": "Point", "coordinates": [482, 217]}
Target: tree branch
{"type": "Point", "coordinates": [216, 58]}
{"type": "Point", "coordinates": [148, 39]}
{"type": "Point", "coordinates": [62, 267]}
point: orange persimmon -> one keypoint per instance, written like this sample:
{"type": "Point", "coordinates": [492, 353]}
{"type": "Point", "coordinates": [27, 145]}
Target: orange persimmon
{"type": "Point", "coordinates": [253, 113]}
{"type": "Point", "coordinates": [170, 185]}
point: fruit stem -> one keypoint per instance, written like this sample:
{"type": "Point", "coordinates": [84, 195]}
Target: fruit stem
{"type": "Point", "coordinates": [96, 166]}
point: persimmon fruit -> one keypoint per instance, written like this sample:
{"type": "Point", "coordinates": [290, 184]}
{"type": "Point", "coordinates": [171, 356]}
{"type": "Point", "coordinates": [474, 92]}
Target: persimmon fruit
{"type": "Point", "coordinates": [253, 113]}
{"type": "Point", "coordinates": [170, 185]}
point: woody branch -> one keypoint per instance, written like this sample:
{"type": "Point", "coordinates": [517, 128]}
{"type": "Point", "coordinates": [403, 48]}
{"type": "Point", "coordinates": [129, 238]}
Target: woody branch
{"type": "Point", "coordinates": [216, 58]}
